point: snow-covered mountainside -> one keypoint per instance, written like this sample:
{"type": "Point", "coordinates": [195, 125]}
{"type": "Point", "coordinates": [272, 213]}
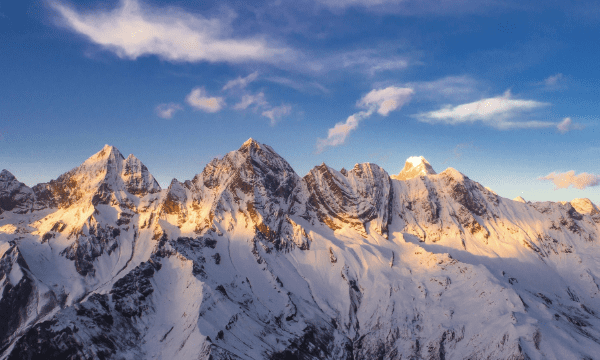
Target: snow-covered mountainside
{"type": "Point", "coordinates": [248, 260]}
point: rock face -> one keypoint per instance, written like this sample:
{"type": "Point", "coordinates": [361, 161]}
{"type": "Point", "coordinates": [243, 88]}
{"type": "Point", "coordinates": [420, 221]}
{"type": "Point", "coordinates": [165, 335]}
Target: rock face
{"type": "Point", "coordinates": [248, 260]}
{"type": "Point", "coordinates": [14, 195]}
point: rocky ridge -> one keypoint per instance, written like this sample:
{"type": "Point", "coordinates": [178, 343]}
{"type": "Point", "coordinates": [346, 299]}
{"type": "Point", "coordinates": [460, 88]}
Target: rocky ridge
{"type": "Point", "coordinates": [248, 260]}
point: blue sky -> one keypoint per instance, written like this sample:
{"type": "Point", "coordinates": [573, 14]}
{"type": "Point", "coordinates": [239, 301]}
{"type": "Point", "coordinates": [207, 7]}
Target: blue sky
{"type": "Point", "coordinates": [505, 92]}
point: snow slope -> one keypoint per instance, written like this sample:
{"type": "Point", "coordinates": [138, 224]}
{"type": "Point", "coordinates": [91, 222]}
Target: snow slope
{"type": "Point", "coordinates": [248, 260]}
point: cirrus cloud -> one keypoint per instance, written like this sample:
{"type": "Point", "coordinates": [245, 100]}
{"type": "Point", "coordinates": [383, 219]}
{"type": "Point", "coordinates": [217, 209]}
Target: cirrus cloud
{"type": "Point", "coordinates": [241, 82]}
{"type": "Point", "coordinates": [248, 99]}
{"type": "Point", "coordinates": [132, 30]}
{"type": "Point", "coordinates": [277, 113]}
{"type": "Point", "coordinates": [496, 112]}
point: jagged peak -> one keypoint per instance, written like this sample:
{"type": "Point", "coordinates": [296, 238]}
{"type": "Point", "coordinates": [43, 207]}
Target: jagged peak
{"type": "Point", "coordinates": [6, 175]}
{"type": "Point", "coordinates": [359, 169]}
{"type": "Point", "coordinates": [250, 143]}
{"type": "Point", "coordinates": [453, 173]}
{"type": "Point", "coordinates": [107, 152]}
{"type": "Point", "coordinates": [413, 167]}
{"type": "Point", "coordinates": [255, 150]}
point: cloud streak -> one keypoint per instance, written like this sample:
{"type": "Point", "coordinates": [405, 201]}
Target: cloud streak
{"type": "Point", "coordinates": [199, 100]}
{"type": "Point", "coordinates": [567, 125]}
{"type": "Point", "coordinates": [132, 30]}
{"type": "Point", "coordinates": [564, 180]}
{"type": "Point", "coordinates": [166, 111]}
{"type": "Point", "coordinates": [449, 87]}
{"type": "Point", "coordinates": [241, 82]}
{"type": "Point", "coordinates": [248, 99]}
{"type": "Point", "coordinates": [337, 135]}
{"type": "Point", "coordinates": [492, 111]}
{"type": "Point", "coordinates": [277, 113]}
{"type": "Point", "coordinates": [386, 100]}
{"type": "Point", "coordinates": [553, 80]}
{"type": "Point", "coordinates": [382, 101]}
{"type": "Point", "coordinates": [497, 112]}
{"type": "Point", "coordinates": [414, 7]}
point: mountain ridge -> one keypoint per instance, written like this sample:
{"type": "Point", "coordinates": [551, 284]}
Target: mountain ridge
{"type": "Point", "coordinates": [248, 260]}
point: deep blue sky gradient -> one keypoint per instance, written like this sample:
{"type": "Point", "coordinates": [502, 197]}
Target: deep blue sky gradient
{"type": "Point", "coordinates": [62, 97]}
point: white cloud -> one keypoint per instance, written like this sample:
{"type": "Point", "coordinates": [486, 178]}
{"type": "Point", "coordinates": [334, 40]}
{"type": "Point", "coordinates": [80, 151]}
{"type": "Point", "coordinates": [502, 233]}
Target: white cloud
{"type": "Point", "coordinates": [567, 125]}
{"type": "Point", "coordinates": [367, 61]}
{"type": "Point", "coordinates": [337, 135]}
{"type": "Point", "coordinates": [166, 111]}
{"type": "Point", "coordinates": [386, 100]}
{"type": "Point", "coordinates": [132, 30]}
{"type": "Point", "coordinates": [415, 7]}
{"type": "Point", "coordinates": [564, 180]}
{"type": "Point", "coordinates": [494, 112]}
{"type": "Point", "coordinates": [452, 87]}
{"type": "Point", "coordinates": [553, 80]}
{"type": "Point", "coordinates": [248, 99]}
{"type": "Point", "coordinates": [198, 99]}
{"type": "Point", "coordinates": [298, 85]}
{"type": "Point", "coordinates": [383, 101]}
{"type": "Point", "coordinates": [276, 113]}
{"type": "Point", "coordinates": [241, 82]}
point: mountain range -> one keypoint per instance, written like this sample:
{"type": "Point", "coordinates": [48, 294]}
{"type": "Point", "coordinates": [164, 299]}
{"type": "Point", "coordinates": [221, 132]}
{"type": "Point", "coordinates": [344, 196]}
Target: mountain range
{"type": "Point", "coordinates": [248, 260]}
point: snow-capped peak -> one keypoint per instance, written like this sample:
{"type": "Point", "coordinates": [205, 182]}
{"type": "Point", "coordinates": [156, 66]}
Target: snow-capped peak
{"type": "Point", "coordinates": [106, 171]}
{"type": "Point", "coordinates": [414, 166]}
{"type": "Point", "coordinates": [334, 265]}
{"type": "Point", "coordinates": [250, 143]}
{"type": "Point", "coordinates": [416, 160]}
{"type": "Point", "coordinates": [520, 199]}
{"type": "Point", "coordinates": [107, 152]}
{"type": "Point", "coordinates": [585, 206]}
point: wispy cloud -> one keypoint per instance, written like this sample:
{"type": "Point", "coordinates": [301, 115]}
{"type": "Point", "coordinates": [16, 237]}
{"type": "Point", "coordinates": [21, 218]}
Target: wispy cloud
{"type": "Point", "coordinates": [567, 125]}
{"type": "Point", "coordinates": [553, 80]}
{"type": "Point", "coordinates": [241, 82]}
{"type": "Point", "coordinates": [199, 100]}
{"type": "Point", "coordinates": [449, 87]}
{"type": "Point", "coordinates": [414, 7]}
{"type": "Point", "coordinates": [277, 113]}
{"type": "Point", "coordinates": [382, 101]}
{"type": "Point", "coordinates": [302, 86]}
{"type": "Point", "coordinates": [248, 99]}
{"type": "Point", "coordinates": [386, 100]}
{"type": "Point", "coordinates": [338, 134]}
{"type": "Point", "coordinates": [367, 61]}
{"type": "Point", "coordinates": [564, 180]}
{"type": "Point", "coordinates": [166, 111]}
{"type": "Point", "coordinates": [495, 112]}
{"type": "Point", "coordinates": [553, 83]}
{"type": "Point", "coordinates": [134, 29]}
